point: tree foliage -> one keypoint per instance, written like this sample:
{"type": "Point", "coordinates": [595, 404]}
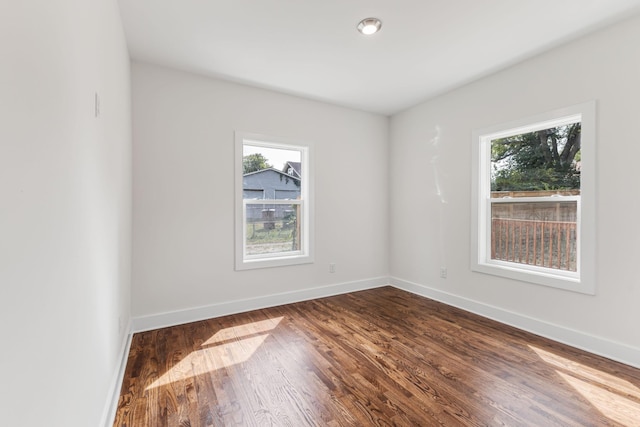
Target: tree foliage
{"type": "Point", "coordinates": [543, 160]}
{"type": "Point", "coordinates": [254, 162]}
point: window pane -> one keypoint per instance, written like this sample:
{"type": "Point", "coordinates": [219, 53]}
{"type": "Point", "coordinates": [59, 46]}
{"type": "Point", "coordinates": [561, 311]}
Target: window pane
{"type": "Point", "coordinates": [535, 233]}
{"type": "Point", "coordinates": [546, 159]}
{"type": "Point", "coordinates": [272, 228]}
{"type": "Point", "coordinates": [539, 163]}
{"type": "Point", "coordinates": [271, 173]}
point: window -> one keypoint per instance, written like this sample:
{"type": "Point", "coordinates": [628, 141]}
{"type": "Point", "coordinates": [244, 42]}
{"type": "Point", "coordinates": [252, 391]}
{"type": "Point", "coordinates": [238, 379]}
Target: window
{"type": "Point", "coordinates": [273, 206]}
{"type": "Point", "coordinates": [533, 215]}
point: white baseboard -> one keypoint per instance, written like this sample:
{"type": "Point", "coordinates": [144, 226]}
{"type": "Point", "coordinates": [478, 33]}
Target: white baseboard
{"type": "Point", "coordinates": [593, 344]}
{"type": "Point", "coordinates": [162, 320]}
{"type": "Point", "coordinates": [109, 412]}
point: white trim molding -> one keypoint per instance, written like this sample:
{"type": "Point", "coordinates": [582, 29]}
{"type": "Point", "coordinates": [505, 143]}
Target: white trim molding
{"type": "Point", "coordinates": [593, 344]}
{"type": "Point", "coordinates": [109, 411]}
{"type": "Point", "coordinates": [162, 320]}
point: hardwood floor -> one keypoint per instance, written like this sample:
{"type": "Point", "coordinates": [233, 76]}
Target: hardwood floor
{"type": "Point", "coordinates": [380, 357]}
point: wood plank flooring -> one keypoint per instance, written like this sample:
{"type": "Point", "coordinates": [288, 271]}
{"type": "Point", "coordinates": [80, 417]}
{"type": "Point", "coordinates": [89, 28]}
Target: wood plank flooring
{"type": "Point", "coordinates": [381, 357]}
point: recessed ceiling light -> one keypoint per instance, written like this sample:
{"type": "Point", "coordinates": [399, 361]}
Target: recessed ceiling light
{"type": "Point", "coordinates": [369, 26]}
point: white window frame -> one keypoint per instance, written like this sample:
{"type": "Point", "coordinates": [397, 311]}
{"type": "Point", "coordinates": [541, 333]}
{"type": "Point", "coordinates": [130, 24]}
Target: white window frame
{"type": "Point", "coordinates": [304, 255]}
{"type": "Point", "coordinates": [584, 279]}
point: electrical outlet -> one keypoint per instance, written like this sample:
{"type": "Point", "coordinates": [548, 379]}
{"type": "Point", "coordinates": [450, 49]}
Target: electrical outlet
{"type": "Point", "coordinates": [443, 272]}
{"type": "Point", "coordinates": [332, 268]}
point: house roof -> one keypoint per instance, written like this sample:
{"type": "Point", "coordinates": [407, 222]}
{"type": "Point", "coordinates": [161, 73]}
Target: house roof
{"type": "Point", "coordinates": [261, 171]}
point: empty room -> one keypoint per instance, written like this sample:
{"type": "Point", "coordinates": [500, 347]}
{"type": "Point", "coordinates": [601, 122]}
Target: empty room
{"type": "Point", "coordinates": [279, 213]}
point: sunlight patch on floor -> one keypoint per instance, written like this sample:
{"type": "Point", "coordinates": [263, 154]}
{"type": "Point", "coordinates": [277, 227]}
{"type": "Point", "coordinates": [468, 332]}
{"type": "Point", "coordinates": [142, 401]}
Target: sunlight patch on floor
{"type": "Point", "coordinates": [613, 406]}
{"type": "Point", "coordinates": [226, 348]}
{"type": "Point", "coordinates": [616, 398]}
{"type": "Point", "coordinates": [243, 330]}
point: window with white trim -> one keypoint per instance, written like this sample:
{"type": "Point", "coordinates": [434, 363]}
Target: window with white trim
{"type": "Point", "coordinates": [533, 216]}
{"type": "Point", "coordinates": [273, 205]}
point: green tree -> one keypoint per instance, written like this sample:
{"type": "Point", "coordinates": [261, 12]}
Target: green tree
{"type": "Point", "coordinates": [542, 160]}
{"type": "Point", "coordinates": [254, 162]}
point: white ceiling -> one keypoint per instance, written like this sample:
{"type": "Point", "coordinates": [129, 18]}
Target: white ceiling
{"type": "Point", "coordinates": [311, 48]}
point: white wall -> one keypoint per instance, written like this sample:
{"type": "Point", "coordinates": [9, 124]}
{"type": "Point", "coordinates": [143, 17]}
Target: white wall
{"type": "Point", "coordinates": [65, 211]}
{"type": "Point", "coordinates": [431, 206]}
{"type": "Point", "coordinates": [184, 190]}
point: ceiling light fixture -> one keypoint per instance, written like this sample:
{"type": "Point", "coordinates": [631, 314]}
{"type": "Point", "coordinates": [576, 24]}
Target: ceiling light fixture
{"type": "Point", "coordinates": [369, 26]}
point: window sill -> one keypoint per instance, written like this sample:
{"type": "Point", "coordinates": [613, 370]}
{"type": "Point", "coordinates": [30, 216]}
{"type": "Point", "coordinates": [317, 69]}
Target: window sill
{"type": "Point", "coordinates": [568, 281]}
{"type": "Point", "coordinates": [276, 261]}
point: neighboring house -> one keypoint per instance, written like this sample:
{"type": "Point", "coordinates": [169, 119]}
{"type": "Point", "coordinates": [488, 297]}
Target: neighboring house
{"type": "Point", "coordinates": [270, 184]}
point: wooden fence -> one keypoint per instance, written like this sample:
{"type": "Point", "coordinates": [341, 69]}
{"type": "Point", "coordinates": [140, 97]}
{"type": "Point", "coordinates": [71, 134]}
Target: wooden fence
{"type": "Point", "coordinates": [550, 244]}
